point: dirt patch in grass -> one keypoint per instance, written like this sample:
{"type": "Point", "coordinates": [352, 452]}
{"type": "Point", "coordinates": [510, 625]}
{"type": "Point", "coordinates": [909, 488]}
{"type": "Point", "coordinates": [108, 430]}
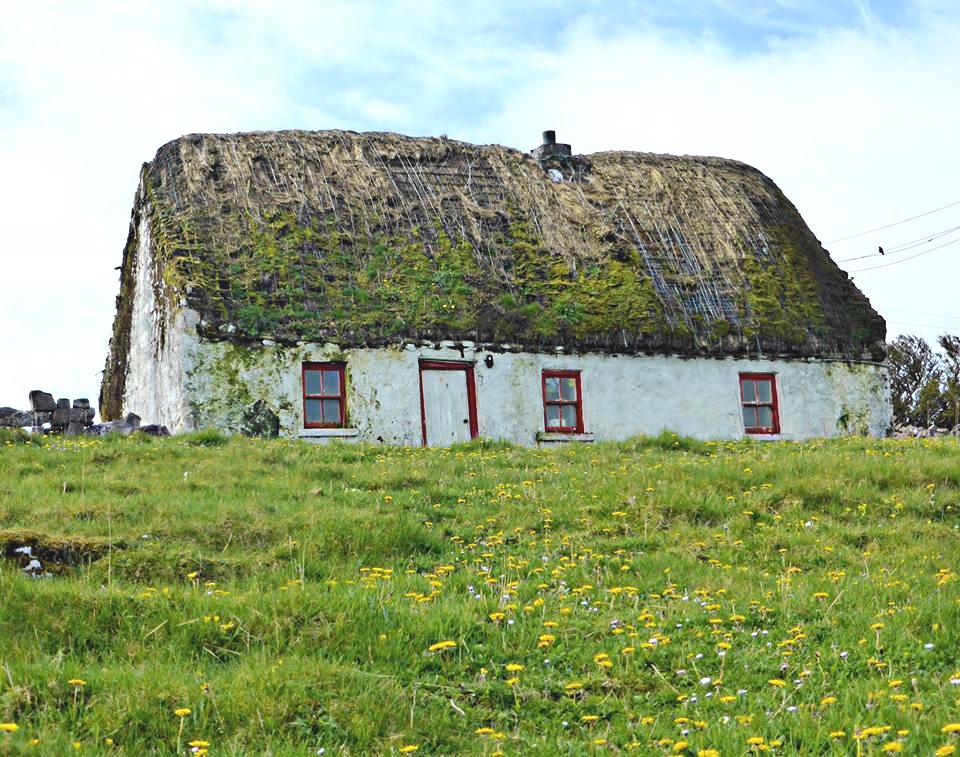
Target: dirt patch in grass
{"type": "Point", "coordinates": [54, 551]}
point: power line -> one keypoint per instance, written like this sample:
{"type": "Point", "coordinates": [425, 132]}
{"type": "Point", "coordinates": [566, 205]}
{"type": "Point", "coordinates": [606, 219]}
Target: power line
{"type": "Point", "coordinates": [63, 239]}
{"type": "Point", "coordinates": [74, 254]}
{"type": "Point", "coordinates": [903, 247]}
{"type": "Point", "coordinates": [939, 327]}
{"type": "Point", "coordinates": [917, 312]}
{"type": "Point", "coordinates": [895, 223]}
{"type": "Point", "coordinates": [904, 260]}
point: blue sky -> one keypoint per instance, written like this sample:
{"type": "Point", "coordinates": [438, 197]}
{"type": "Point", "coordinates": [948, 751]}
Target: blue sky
{"type": "Point", "coordinates": [850, 107]}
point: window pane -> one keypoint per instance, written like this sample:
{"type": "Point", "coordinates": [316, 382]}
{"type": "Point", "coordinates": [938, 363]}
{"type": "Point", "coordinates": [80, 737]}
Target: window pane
{"type": "Point", "coordinates": [749, 390]}
{"type": "Point", "coordinates": [331, 411]}
{"type": "Point", "coordinates": [569, 415]}
{"type": "Point", "coordinates": [331, 383]}
{"type": "Point", "coordinates": [749, 417]}
{"type": "Point", "coordinates": [313, 411]}
{"type": "Point", "coordinates": [764, 391]}
{"type": "Point", "coordinates": [765, 416]}
{"type": "Point", "coordinates": [553, 416]}
{"type": "Point", "coordinates": [568, 389]}
{"type": "Point", "coordinates": [552, 388]}
{"type": "Point", "coordinates": [313, 382]}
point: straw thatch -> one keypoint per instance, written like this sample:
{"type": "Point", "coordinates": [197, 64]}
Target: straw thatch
{"type": "Point", "coordinates": [367, 239]}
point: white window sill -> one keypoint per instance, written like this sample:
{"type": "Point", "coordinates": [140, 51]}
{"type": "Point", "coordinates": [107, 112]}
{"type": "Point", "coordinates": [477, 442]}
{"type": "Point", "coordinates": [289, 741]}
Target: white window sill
{"type": "Point", "coordinates": [328, 433]}
{"type": "Point", "coordinates": [553, 437]}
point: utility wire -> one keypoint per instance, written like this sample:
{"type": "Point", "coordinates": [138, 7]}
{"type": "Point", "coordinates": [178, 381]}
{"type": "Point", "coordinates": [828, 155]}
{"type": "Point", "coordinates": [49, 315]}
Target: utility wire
{"type": "Point", "coordinates": [917, 312]}
{"type": "Point", "coordinates": [74, 254]}
{"type": "Point", "coordinates": [904, 260]}
{"type": "Point", "coordinates": [903, 247]}
{"type": "Point", "coordinates": [895, 223]}
{"type": "Point", "coordinates": [64, 239]}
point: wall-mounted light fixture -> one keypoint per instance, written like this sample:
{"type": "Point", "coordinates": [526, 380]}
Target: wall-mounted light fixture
{"type": "Point", "coordinates": [488, 360]}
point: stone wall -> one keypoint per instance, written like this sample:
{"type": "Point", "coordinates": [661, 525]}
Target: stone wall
{"type": "Point", "coordinates": [63, 417]}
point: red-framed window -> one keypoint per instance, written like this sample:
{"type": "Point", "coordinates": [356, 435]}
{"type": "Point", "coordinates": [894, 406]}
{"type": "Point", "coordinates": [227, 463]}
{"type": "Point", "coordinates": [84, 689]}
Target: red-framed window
{"type": "Point", "coordinates": [324, 395]}
{"type": "Point", "coordinates": [758, 397]}
{"type": "Point", "coordinates": [562, 402]}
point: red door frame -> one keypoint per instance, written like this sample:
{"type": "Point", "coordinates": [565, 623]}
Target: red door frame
{"type": "Point", "coordinates": [445, 365]}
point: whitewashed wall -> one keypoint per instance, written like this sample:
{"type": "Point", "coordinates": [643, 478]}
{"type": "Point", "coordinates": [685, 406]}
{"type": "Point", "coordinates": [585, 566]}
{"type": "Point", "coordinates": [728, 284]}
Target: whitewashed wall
{"type": "Point", "coordinates": [199, 385]}
{"type": "Point", "coordinates": [161, 344]}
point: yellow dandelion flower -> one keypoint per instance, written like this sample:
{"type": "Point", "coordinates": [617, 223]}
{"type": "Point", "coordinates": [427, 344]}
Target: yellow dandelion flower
{"type": "Point", "coordinates": [440, 646]}
{"type": "Point", "coordinates": [837, 734]}
{"type": "Point", "coordinates": [181, 712]}
{"type": "Point", "coordinates": [951, 728]}
{"type": "Point", "coordinates": [77, 682]}
{"type": "Point", "coordinates": [198, 743]}
{"type": "Point", "coordinates": [8, 727]}
{"type": "Point", "coordinates": [512, 681]}
{"type": "Point", "coordinates": [408, 748]}
{"type": "Point", "coordinates": [945, 751]}
{"type": "Point", "coordinates": [777, 682]}
{"type": "Point", "coordinates": [756, 740]}
{"type": "Point", "coordinates": [892, 746]}
{"type": "Point", "coordinates": [589, 718]}
{"type": "Point", "coordinates": [485, 731]}
{"type": "Point", "coordinates": [874, 730]}
{"type": "Point", "coordinates": [514, 667]}
{"type": "Point", "coordinates": [708, 753]}
{"type": "Point", "coordinates": [828, 700]}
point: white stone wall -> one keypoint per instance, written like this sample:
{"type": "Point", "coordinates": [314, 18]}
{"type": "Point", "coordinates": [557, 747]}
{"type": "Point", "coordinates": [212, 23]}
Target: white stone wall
{"type": "Point", "coordinates": [161, 344]}
{"type": "Point", "coordinates": [622, 395]}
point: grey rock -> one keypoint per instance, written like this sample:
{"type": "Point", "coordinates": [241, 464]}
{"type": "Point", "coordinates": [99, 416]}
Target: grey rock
{"type": "Point", "coordinates": [260, 420]}
{"type": "Point", "coordinates": [42, 402]}
{"type": "Point", "coordinates": [12, 418]}
{"type": "Point", "coordinates": [110, 427]}
{"type": "Point", "coordinates": [152, 429]}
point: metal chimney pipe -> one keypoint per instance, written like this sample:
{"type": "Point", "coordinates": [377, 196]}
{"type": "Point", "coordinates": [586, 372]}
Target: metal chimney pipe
{"type": "Point", "coordinates": [550, 137]}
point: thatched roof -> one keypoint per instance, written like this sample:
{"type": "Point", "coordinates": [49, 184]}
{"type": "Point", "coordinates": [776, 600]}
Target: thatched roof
{"type": "Point", "coordinates": [373, 238]}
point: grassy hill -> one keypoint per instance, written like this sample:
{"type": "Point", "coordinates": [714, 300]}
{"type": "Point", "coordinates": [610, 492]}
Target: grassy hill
{"type": "Point", "coordinates": [664, 596]}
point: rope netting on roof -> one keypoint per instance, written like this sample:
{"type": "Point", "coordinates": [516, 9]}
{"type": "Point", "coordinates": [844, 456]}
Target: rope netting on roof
{"type": "Point", "coordinates": [364, 238]}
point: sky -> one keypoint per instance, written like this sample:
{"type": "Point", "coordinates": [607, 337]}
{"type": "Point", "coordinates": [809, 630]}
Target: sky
{"type": "Point", "coordinates": [850, 106]}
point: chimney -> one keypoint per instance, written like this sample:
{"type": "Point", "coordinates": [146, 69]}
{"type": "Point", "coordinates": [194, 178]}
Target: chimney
{"type": "Point", "coordinates": [551, 148]}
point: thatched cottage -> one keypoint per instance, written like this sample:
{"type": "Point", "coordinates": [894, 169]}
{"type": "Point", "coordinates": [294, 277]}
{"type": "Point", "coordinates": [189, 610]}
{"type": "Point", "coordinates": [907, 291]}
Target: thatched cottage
{"type": "Point", "coordinates": [426, 291]}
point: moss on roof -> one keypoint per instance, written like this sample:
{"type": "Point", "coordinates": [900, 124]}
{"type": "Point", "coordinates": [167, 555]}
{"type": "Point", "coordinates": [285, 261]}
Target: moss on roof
{"type": "Point", "coordinates": [366, 239]}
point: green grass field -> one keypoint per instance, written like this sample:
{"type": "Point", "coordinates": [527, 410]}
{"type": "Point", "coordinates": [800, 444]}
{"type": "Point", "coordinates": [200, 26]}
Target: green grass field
{"type": "Point", "coordinates": [667, 596]}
